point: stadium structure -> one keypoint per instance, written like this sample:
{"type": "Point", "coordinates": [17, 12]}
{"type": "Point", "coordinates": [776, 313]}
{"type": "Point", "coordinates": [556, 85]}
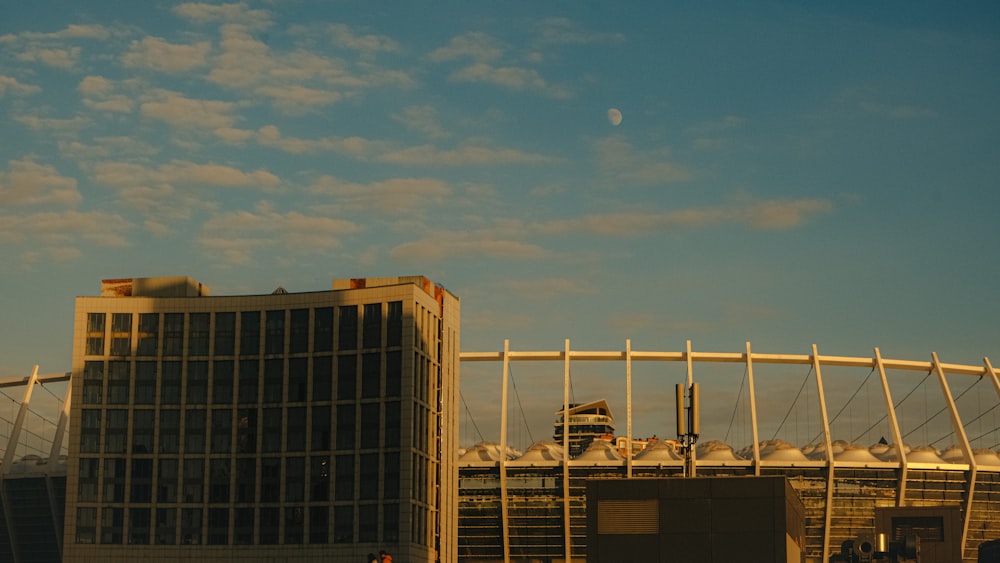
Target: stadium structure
{"type": "Point", "coordinates": [532, 506]}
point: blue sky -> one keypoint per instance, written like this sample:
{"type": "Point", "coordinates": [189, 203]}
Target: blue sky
{"type": "Point", "coordinates": [782, 174]}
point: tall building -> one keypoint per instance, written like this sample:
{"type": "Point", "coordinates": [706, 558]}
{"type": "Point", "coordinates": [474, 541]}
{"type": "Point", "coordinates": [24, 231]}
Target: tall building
{"type": "Point", "coordinates": [586, 422]}
{"type": "Point", "coordinates": [300, 426]}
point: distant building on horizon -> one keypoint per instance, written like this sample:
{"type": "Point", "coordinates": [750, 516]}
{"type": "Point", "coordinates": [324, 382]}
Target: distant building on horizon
{"type": "Point", "coordinates": [306, 426]}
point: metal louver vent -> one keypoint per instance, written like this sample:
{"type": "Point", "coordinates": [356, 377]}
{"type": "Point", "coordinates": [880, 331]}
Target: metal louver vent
{"type": "Point", "coordinates": [639, 516]}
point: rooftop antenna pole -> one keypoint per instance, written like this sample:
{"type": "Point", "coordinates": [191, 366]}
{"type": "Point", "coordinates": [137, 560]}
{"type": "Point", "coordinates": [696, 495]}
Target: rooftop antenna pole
{"type": "Point", "coordinates": [688, 425]}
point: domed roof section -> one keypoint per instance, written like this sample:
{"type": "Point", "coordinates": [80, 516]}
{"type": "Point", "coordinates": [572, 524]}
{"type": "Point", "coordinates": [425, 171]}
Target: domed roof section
{"type": "Point", "coordinates": [714, 450]}
{"type": "Point", "coordinates": [891, 453]}
{"type": "Point", "coordinates": [953, 454]}
{"type": "Point", "coordinates": [780, 450]}
{"type": "Point", "coordinates": [658, 450]}
{"type": "Point", "coordinates": [487, 451]}
{"type": "Point", "coordinates": [543, 451]}
{"type": "Point", "coordinates": [855, 453]}
{"type": "Point", "coordinates": [923, 454]}
{"type": "Point", "coordinates": [600, 450]}
{"type": "Point", "coordinates": [986, 457]}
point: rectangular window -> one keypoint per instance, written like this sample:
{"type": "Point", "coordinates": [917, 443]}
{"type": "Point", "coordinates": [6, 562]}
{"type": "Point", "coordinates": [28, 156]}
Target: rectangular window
{"type": "Point", "coordinates": [295, 429]}
{"type": "Point", "coordinates": [344, 478]}
{"type": "Point", "coordinates": [323, 329]}
{"type": "Point", "coordinates": [319, 522]}
{"type": "Point", "coordinates": [218, 526]}
{"type": "Point", "coordinates": [274, 380]}
{"type": "Point", "coordinates": [143, 430]}
{"type": "Point", "coordinates": [95, 334]}
{"type": "Point", "coordinates": [371, 375]}
{"type": "Point", "coordinates": [298, 339]}
{"type": "Point", "coordinates": [149, 334]}
{"type": "Point", "coordinates": [86, 525]}
{"type": "Point", "coordinates": [222, 382]}
{"type": "Point", "coordinates": [197, 382]}
{"type": "Point", "coordinates": [392, 424]}
{"type": "Point", "coordinates": [394, 324]}
{"type": "Point", "coordinates": [243, 526]}
{"type": "Point", "coordinates": [191, 526]}
{"type": "Point", "coordinates": [390, 523]}
{"type": "Point", "coordinates": [194, 480]}
{"type": "Point", "coordinates": [246, 479]}
{"type": "Point", "coordinates": [345, 427]}
{"type": "Point", "coordinates": [347, 377]}
{"type": "Point", "coordinates": [87, 485]}
{"type": "Point", "coordinates": [118, 382]}
{"type": "Point", "coordinates": [370, 425]}
{"type": "Point", "coordinates": [114, 480]}
{"type": "Point", "coordinates": [269, 517]}
{"type": "Point", "coordinates": [372, 331]}
{"type": "Point", "coordinates": [250, 333]}
{"type": "Point", "coordinates": [141, 484]}
{"type": "Point", "coordinates": [194, 431]}
{"type": "Point", "coordinates": [390, 475]}
{"type": "Point", "coordinates": [121, 334]}
{"type": "Point", "coordinates": [166, 480]}
{"type": "Point", "coordinates": [343, 524]}
{"type": "Point", "coordinates": [170, 383]}
{"type": "Point", "coordinates": [145, 383]}
{"type": "Point", "coordinates": [173, 334]}
{"type": "Point", "coordinates": [295, 479]}
{"type": "Point", "coordinates": [222, 431]}
{"type": "Point", "coordinates": [115, 431]}
{"type": "Point", "coordinates": [166, 526]}
{"type": "Point", "coordinates": [271, 435]}
{"type": "Point", "coordinates": [319, 481]}
{"type": "Point", "coordinates": [393, 374]}
{"type": "Point", "coordinates": [275, 335]}
{"type": "Point", "coordinates": [294, 520]}
{"type": "Point", "coordinates": [368, 523]}
{"type": "Point", "coordinates": [218, 480]}
{"type": "Point", "coordinates": [170, 431]}
{"type": "Point", "coordinates": [348, 327]}
{"type": "Point", "coordinates": [249, 377]}
{"type": "Point", "coordinates": [320, 429]}
{"type": "Point", "coordinates": [112, 521]}
{"type": "Point", "coordinates": [298, 379]}
{"type": "Point", "coordinates": [225, 334]}
{"type": "Point", "coordinates": [322, 378]}
{"type": "Point", "coordinates": [93, 383]}
{"type": "Point", "coordinates": [198, 334]}
{"type": "Point", "coordinates": [369, 476]}
{"type": "Point", "coordinates": [246, 431]}
{"type": "Point", "coordinates": [270, 479]}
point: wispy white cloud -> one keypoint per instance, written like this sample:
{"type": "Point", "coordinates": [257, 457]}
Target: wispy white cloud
{"type": "Point", "coordinates": [235, 13]}
{"type": "Point", "coordinates": [544, 288]}
{"type": "Point", "coordinates": [564, 31]}
{"type": "Point", "coordinates": [179, 173]}
{"type": "Point", "coordinates": [478, 46]}
{"type": "Point", "coordinates": [157, 54]}
{"type": "Point", "coordinates": [369, 44]}
{"type": "Point", "coordinates": [102, 94]}
{"type": "Point", "coordinates": [104, 148]}
{"type": "Point", "coordinates": [392, 196]}
{"type": "Point", "coordinates": [59, 235]}
{"type": "Point", "coordinates": [466, 155]}
{"type": "Point", "coordinates": [54, 125]}
{"type": "Point", "coordinates": [422, 119]}
{"type": "Point", "coordinates": [510, 77]}
{"type": "Point", "coordinates": [358, 147]}
{"type": "Point", "coordinates": [26, 182]}
{"type": "Point", "coordinates": [55, 57]}
{"type": "Point", "coordinates": [622, 163]}
{"type": "Point", "coordinates": [11, 84]}
{"type": "Point", "coordinates": [180, 111]}
{"type": "Point", "coordinates": [72, 31]}
{"type": "Point", "coordinates": [447, 246]}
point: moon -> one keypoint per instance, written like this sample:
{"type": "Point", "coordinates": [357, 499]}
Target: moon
{"type": "Point", "coordinates": [614, 117]}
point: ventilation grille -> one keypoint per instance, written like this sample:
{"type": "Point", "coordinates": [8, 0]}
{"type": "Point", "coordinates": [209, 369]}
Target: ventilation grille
{"type": "Point", "coordinates": [640, 516]}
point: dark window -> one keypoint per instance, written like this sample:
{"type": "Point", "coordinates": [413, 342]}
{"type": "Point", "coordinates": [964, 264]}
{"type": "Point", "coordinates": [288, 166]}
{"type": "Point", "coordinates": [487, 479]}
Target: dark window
{"type": "Point", "coordinates": [93, 383]}
{"type": "Point", "coordinates": [271, 437]}
{"type": "Point", "coordinates": [197, 383]}
{"type": "Point", "coordinates": [344, 478]}
{"type": "Point", "coordinates": [166, 526]}
{"type": "Point", "coordinates": [322, 378]}
{"type": "Point", "coordinates": [95, 334]}
{"type": "Point", "coordinates": [246, 431]}
{"type": "Point", "coordinates": [323, 329]}
{"type": "Point", "coordinates": [149, 334]}
{"type": "Point", "coordinates": [198, 334]}
{"type": "Point", "coordinates": [143, 429]}
{"type": "Point", "coordinates": [250, 333]}
{"type": "Point", "coordinates": [295, 479]}
{"type": "Point", "coordinates": [112, 520]}
{"type": "Point", "coordinates": [225, 334]}
{"type": "Point", "coordinates": [118, 383]}
{"type": "Point", "coordinates": [294, 520]}
{"type": "Point", "coordinates": [194, 479]}
{"type": "Point", "coordinates": [371, 375]}
{"type": "Point", "coordinates": [170, 430]}
{"type": "Point", "coordinates": [298, 380]}
{"type": "Point", "coordinates": [87, 485]}
{"type": "Point", "coordinates": [392, 422]}
{"type": "Point", "coordinates": [298, 338]}
{"type": "Point", "coordinates": [142, 481]}
{"type": "Point", "coordinates": [218, 526]}
{"type": "Point", "coordinates": [222, 431]}
{"type": "Point", "coordinates": [275, 335]}
{"type": "Point", "coordinates": [269, 525]}
{"type": "Point", "coordinates": [270, 479]}
{"type": "Point", "coordinates": [121, 334]}
{"type": "Point", "coordinates": [222, 382]}
{"type": "Point", "coordinates": [114, 480]}
{"type": "Point", "coordinates": [320, 429]}
{"type": "Point", "coordinates": [319, 522]}
{"type": "Point", "coordinates": [390, 475]}
{"type": "Point", "coordinates": [173, 334]}
{"type": "Point", "coordinates": [347, 377]}
{"type": "Point", "coordinates": [369, 476]}
{"type": "Point", "coordinates": [343, 524]}
{"type": "Point", "coordinates": [249, 377]}
{"type": "Point", "coordinates": [370, 425]}
{"type": "Point", "coordinates": [319, 480]}
{"type": "Point", "coordinates": [348, 327]}
{"type": "Point", "coordinates": [393, 374]}
{"type": "Point", "coordinates": [394, 324]}
{"type": "Point", "coordinates": [372, 332]}
{"type": "Point", "coordinates": [274, 380]}
{"type": "Point", "coordinates": [246, 479]}
{"type": "Point", "coordinates": [345, 427]}
{"type": "Point", "coordinates": [145, 383]}
{"type": "Point", "coordinates": [191, 526]}
{"type": "Point", "coordinates": [243, 526]}
{"type": "Point", "coordinates": [138, 526]}
{"type": "Point", "coordinates": [390, 523]}
{"type": "Point", "coordinates": [166, 480]}
{"type": "Point", "coordinates": [368, 523]}
{"type": "Point", "coordinates": [295, 429]}
{"type": "Point", "coordinates": [218, 480]}
{"type": "Point", "coordinates": [115, 431]}
{"type": "Point", "coordinates": [170, 383]}
{"type": "Point", "coordinates": [194, 431]}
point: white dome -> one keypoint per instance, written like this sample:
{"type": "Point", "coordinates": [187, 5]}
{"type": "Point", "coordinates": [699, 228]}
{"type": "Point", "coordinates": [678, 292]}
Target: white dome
{"type": "Point", "coordinates": [600, 450]}
{"type": "Point", "coordinates": [890, 453]}
{"type": "Point", "coordinates": [923, 454]}
{"type": "Point", "coordinates": [855, 453]}
{"type": "Point", "coordinates": [658, 450]}
{"type": "Point", "coordinates": [714, 450]}
{"type": "Point", "coordinates": [953, 454]}
{"type": "Point", "coordinates": [487, 451]}
{"type": "Point", "coordinates": [780, 450]}
{"type": "Point", "coordinates": [543, 451]}
{"type": "Point", "coordinates": [986, 457]}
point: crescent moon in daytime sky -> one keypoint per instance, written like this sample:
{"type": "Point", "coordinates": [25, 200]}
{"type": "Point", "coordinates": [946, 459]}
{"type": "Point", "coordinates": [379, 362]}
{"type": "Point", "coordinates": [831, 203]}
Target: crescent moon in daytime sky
{"type": "Point", "coordinates": [614, 116]}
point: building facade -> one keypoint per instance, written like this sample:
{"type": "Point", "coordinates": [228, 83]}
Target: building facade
{"type": "Point", "coordinates": [300, 426]}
